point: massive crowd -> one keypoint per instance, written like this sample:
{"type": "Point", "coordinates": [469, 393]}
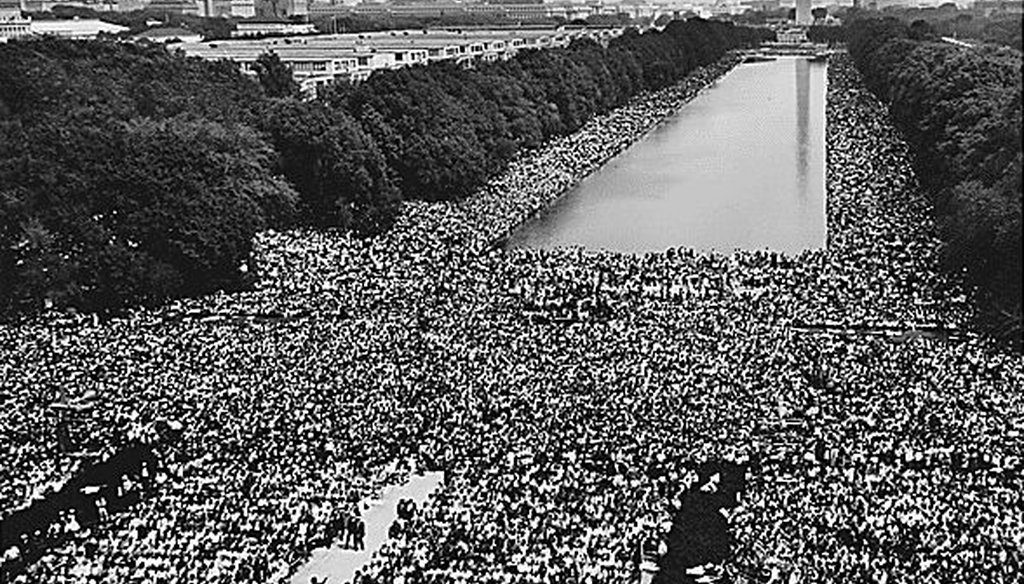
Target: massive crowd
{"type": "Point", "coordinates": [566, 442]}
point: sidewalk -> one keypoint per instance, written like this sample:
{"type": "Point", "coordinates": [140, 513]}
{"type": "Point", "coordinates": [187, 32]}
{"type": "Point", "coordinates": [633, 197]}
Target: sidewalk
{"type": "Point", "coordinates": [339, 565]}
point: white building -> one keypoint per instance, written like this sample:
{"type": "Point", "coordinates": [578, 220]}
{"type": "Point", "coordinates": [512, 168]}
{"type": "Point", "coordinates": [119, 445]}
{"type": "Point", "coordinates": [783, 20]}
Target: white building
{"type": "Point", "coordinates": [322, 59]}
{"type": "Point", "coordinates": [243, 8]}
{"type": "Point", "coordinates": [791, 36]}
{"type": "Point", "coordinates": [12, 23]}
{"type": "Point", "coordinates": [10, 9]}
{"type": "Point", "coordinates": [259, 29]}
{"type": "Point", "coordinates": [75, 29]}
{"type": "Point", "coordinates": [12, 28]}
{"type": "Point", "coordinates": [803, 13]}
{"type": "Point", "coordinates": [226, 8]}
{"type": "Point", "coordinates": [281, 8]}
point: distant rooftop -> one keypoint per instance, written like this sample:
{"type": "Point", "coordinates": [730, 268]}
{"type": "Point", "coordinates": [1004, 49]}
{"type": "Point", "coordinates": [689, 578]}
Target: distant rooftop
{"type": "Point", "coordinates": [75, 28]}
{"type": "Point", "coordinates": [167, 32]}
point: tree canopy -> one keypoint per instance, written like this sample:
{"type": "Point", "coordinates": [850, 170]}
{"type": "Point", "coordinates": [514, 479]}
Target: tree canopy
{"type": "Point", "coordinates": [445, 129]}
{"type": "Point", "coordinates": [960, 110]}
{"type": "Point", "coordinates": [130, 174]}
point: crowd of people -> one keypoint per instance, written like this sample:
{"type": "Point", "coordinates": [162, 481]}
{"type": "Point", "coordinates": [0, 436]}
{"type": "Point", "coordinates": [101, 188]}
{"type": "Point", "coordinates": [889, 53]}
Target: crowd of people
{"type": "Point", "coordinates": [567, 444]}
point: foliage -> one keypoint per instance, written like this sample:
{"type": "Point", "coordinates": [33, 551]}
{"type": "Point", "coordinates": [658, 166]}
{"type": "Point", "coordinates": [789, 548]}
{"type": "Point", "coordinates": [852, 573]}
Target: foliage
{"type": "Point", "coordinates": [444, 129]}
{"type": "Point", "coordinates": [763, 17]}
{"type": "Point", "coordinates": [826, 34]}
{"type": "Point", "coordinates": [129, 174]}
{"type": "Point", "coordinates": [275, 77]}
{"type": "Point", "coordinates": [960, 110]}
{"type": "Point", "coordinates": [93, 82]}
{"type": "Point", "coordinates": [337, 169]}
{"type": "Point", "coordinates": [137, 20]}
{"type": "Point", "coordinates": [971, 24]}
{"type": "Point", "coordinates": [103, 217]}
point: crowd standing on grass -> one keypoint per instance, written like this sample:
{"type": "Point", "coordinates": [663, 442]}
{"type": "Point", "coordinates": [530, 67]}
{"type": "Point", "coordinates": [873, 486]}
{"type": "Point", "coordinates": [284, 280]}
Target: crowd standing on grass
{"type": "Point", "coordinates": [966, 141]}
{"type": "Point", "coordinates": [567, 442]}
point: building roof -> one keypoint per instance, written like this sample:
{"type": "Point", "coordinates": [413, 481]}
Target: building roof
{"type": "Point", "coordinates": [167, 32]}
{"type": "Point", "coordinates": [77, 27]}
{"type": "Point", "coordinates": [347, 46]}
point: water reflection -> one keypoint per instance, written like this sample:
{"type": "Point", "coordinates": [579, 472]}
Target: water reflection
{"type": "Point", "coordinates": [803, 95]}
{"type": "Point", "coordinates": [741, 166]}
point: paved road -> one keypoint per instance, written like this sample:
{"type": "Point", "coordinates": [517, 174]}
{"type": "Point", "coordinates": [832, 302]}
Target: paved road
{"type": "Point", "coordinates": [339, 565]}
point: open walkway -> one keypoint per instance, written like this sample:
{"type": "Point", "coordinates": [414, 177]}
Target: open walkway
{"type": "Point", "coordinates": [339, 565]}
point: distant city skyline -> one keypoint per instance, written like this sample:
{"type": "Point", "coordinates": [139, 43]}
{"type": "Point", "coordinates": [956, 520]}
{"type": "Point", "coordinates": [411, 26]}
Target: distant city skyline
{"type": "Point", "coordinates": [270, 8]}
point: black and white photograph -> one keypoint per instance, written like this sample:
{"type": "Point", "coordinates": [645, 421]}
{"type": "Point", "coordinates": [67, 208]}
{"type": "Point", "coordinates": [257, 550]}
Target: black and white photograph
{"type": "Point", "coordinates": [511, 292]}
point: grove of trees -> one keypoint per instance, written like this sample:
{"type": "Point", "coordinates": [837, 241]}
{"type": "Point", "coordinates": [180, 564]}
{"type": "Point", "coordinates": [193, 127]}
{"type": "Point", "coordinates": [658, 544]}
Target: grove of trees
{"type": "Point", "coordinates": [971, 24]}
{"type": "Point", "coordinates": [139, 21]}
{"type": "Point", "coordinates": [826, 34]}
{"type": "Point", "coordinates": [960, 110]}
{"type": "Point", "coordinates": [131, 175]}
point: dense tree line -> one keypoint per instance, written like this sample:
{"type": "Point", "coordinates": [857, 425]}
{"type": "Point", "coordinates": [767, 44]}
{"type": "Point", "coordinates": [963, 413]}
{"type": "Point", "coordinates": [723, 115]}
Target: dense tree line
{"type": "Point", "coordinates": [761, 17]}
{"type": "Point", "coordinates": [961, 112]}
{"type": "Point", "coordinates": [972, 24]}
{"type": "Point", "coordinates": [126, 175]}
{"type": "Point", "coordinates": [826, 34]}
{"type": "Point", "coordinates": [129, 174]}
{"type": "Point", "coordinates": [444, 129]}
{"type": "Point", "coordinates": [139, 21]}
